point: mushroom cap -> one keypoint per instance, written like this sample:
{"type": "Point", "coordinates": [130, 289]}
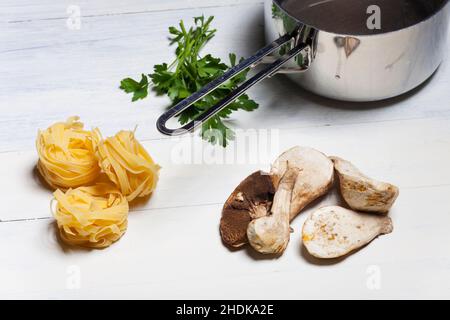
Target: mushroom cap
{"type": "Point", "coordinates": [251, 199]}
{"type": "Point", "coordinates": [361, 192]}
{"type": "Point", "coordinates": [315, 177]}
{"type": "Point", "coordinates": [332, 232]}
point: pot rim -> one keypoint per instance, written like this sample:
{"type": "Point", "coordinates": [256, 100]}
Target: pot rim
{"type": "Point", "coordinates": [438, 11]}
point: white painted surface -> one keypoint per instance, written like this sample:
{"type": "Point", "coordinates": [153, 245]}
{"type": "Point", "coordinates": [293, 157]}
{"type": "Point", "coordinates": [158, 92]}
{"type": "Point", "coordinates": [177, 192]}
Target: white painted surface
{"type": "Point", "coordinates": [172, 248]}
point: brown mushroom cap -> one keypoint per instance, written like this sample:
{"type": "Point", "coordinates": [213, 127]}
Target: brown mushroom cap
{"type": "Point", "coordinates": [251, 199]}
{"type": "Point", "coordinates": [270, 234]}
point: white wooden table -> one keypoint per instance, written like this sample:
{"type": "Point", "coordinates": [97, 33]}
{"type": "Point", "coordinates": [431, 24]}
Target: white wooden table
{"type": "Point", "coordinates": [172, 248]}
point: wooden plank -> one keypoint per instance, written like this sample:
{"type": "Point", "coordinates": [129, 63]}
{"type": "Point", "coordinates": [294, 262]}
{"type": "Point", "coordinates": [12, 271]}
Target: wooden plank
{"type": "Point", "coordinates": [172, 248]}
{"type": "Point", "coordinates": [177, 253]}
{"type": "Point", "coordinates": [77, 72]}
{"type": "Point", "coordinates": [24, 10]}
{"type": "Point", "coordinates": [411, 154]}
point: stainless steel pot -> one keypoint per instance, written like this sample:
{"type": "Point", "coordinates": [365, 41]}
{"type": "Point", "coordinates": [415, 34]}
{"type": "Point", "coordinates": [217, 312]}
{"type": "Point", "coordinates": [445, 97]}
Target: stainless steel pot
{"type": "Point", "coordinates": [352, 50]}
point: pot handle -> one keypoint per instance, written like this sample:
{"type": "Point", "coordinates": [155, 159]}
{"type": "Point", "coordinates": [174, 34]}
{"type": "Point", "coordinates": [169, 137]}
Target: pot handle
{"type": "Point", "coordinates": [247, 63]}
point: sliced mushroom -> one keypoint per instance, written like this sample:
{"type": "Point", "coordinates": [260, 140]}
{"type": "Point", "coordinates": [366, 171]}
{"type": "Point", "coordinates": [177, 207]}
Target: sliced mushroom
{"type": "Point", "coordinates": [253, 198]}
{"type": "Point", "coordinates": [270, 235]}
{"type": "Point", "coordinates": [361, 192]}
{"type": "Point", "coordinates": [314, 180]}
{"type": "Point", "coordinates": [332, 232]}
{"type": "Point", "coordinates": [250, 200]}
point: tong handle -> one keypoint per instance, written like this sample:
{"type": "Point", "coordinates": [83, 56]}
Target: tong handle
{"type": "Point", "coordinates": [247, 63]}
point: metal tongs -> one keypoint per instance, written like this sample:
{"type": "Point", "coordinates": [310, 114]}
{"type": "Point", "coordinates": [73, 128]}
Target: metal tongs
{"type": "Point", "coordinates": [251, 62]}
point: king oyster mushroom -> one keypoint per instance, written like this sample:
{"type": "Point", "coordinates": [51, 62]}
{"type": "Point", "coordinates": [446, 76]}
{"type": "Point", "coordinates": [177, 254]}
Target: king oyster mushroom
{"type": "Point", "coordinates": [361, 192]}
{"type": "Point", "coordinates": [314, 179]}
{"type": "Point", "coordinates": [250, 200]}
{"type": "Point", "coordinates": [332, 232]}
{"type": "Point", "coordinates": [301, 175]}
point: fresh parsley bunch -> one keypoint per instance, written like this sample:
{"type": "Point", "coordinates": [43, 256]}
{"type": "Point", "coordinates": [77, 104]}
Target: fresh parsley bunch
{"type": "Point", "coordinates": [188, 73]}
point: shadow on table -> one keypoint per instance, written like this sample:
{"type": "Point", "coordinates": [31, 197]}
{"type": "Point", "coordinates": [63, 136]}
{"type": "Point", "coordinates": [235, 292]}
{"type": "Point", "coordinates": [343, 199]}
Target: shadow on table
{"type": "Point", "coordinates": [324, 262]}
{"type": "Point", "coordinates": [62, 246]}
{"type": "Point", "coordinates": [39, 180]}
{"type": "Point", "coordinates": [282, 86]}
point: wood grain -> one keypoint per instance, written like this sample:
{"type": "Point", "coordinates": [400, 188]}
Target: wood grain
{"type": "Point", "coordinates": [25, 10]}
{"type": "Point", "coordinates": [164, 255]}
{"type": "Point", "coordinates": [406, 157]}
{"type": "Point", "coordinates": [49, 72]}
{"type": "Point", "coordinates": [71, 72]}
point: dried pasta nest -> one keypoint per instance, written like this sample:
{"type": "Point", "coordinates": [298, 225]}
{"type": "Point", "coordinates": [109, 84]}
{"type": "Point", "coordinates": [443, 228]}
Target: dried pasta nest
{"type": "Point", "coordinates": [67, 155]}
{"type": "Point", "coordinates": [94, 216]}
{"type": "Point", "coordinates": [127, 164]}
{"type": "Point", "coordinates": [95, 179]}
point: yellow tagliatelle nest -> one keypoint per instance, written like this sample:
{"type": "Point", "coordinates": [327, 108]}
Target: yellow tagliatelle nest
{"type": "Point", "coordinates": [128, 165]}
{"type": "Point", "coordinates": [93, 210]}
{"type": "Point", "coordinates": [93, 216]}
{"type": "Point", "coordinates": [67, 155]}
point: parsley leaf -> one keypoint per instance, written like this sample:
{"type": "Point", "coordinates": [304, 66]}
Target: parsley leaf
{"type": "Point", "coordinates": [139, 89]}
{"type": "Point", "coordinates": [188, 73]}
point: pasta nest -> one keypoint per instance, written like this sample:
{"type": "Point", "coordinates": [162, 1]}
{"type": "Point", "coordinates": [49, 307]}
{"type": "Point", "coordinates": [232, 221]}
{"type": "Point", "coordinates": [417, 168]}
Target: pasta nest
{"type": "Point", "coordinates": [94, 216]}
{"type": "Point", "coordinates": [67, 155]}
{"type": "Point", "coordinates": [127, 164]}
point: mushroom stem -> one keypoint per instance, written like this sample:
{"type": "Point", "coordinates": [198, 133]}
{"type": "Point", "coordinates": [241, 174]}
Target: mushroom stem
{"type": "Point", "coordinates": [315, 176]}
{"type": "Point", "coordinates": [282, 200]}
{"type": "Point", "coordinates": [270, 235]}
